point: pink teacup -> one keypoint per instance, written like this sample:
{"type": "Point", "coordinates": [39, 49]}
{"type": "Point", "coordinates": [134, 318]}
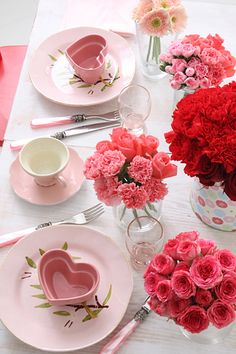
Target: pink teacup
{"type": "Point", "coordinates": [45, 158]}
{"type": "Point", "coordinates": [87, 57]}
{"type": "Point", "coordinates": [64, 281]}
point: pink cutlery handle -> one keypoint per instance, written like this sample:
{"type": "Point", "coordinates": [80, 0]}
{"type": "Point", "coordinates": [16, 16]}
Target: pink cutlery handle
{"type": "Point", "coordinates": [50, 122]}
{"type": "Point", "coordinates": [13, 237]}
{"type": "Point", "coordinates": [116, 342]}
{"type": "Point", "coordinates": [18, 144]}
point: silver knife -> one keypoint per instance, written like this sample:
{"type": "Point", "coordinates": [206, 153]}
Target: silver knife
{"type": "Point", "coordinates": [83, 129]}
{"type": "Point", "coordinates": [119, 338]}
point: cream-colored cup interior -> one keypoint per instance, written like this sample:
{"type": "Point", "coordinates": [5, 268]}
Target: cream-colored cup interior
{"type": "Point", "coordinates": [44, 157]}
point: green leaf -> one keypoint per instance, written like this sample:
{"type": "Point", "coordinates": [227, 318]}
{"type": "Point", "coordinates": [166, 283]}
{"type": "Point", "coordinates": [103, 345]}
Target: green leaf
{"type": "Point", "coordinates": [75, 257]}
{"type": "Point", "coordinates": [103, 88]}
{"type": "Point", "coordinates": [45, 305]}
{"type": "Point", "coordinates": [108, 64]}
{"type": "Point", "coordinates": [30, 262]}
{"type": "Point", "coordinates": [61, 313]}
{"type": "Point", "coordinates": [107, 298]}
{"type": "Point", "coordinates": [36, 286]}
{"type": "Point", "coordinates": [91, 313]}
{"type": "Point", "coordinates": [52, 57]}
{"type": "Point", "coordinates": [40, 296]}
{"type": "Point", "coordinates": [96, 312]}
{"type": "Point", "coordinates": [41, 251]}
{"type": "Point", "coordinates": [65, 246]}
{"type": "Point", "coordinates": [60, 51]}
{"type": "Point", "coordinates": [84, 86]}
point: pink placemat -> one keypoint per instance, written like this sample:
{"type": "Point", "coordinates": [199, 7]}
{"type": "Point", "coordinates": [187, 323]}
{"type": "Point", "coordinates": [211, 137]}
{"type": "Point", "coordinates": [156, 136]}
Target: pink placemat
{"type": "Point", "coordinates": [115, 15]}
{"type": "Point", "coordinates": [11, 60]}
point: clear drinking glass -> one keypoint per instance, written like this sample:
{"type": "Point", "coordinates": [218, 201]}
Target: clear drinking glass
{"type": "Point", "coordinates": [134, 108]}
{"type": "Point", "coordinates": [144, 238]}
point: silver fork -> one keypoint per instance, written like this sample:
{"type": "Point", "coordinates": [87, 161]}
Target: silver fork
{"type": "Point", "coordinates": [82, 218]}
{"type": "Point", "coordinates": [75, 118]}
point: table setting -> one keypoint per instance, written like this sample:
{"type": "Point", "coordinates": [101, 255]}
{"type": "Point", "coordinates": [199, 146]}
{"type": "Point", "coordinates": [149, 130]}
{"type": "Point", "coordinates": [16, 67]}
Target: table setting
{"type": "Point", "coordinates": [118, 195]}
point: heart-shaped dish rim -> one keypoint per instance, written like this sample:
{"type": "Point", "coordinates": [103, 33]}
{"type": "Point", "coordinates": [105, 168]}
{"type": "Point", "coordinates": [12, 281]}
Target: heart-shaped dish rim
{"type": "Point", "coordinates": [74, 267]}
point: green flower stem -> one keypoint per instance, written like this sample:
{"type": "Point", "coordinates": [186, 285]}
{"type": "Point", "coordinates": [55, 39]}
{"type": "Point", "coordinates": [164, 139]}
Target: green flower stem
{"type": "Point", "coordinates": [151, 206]}
{"type": "Point", "coordinates": [136, 216]}
{"type": "Point", "coordinates": [154, 48]}
{"type": "Point", "coordinates": [147, 212]}
{"type": "Point", "coordinates": [123, 213]}
{"type": "Point", "coordinates": [149, 48]}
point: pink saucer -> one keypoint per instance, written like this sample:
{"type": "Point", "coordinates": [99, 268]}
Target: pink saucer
{"type": "Point", "coordinates": [26, 188]}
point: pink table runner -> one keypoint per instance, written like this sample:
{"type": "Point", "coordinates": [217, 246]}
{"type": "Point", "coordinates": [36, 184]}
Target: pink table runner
{"type": "Point", "coordinates": [11, 60]}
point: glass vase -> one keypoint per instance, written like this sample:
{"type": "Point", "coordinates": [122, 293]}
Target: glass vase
{"type": "Point", "coordinates": [150, 47]}
{"type": "Point", "coordinates": [211, 335]}
{"type": "Point", "coordinates": [213, 206]}
{"type": "Point", "coordinates": [124, 216]}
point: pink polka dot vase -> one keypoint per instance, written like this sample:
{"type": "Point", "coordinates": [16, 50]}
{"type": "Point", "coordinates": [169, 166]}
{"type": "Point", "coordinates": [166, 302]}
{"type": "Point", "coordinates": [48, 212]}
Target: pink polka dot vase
{"type": "Point", "coordinates": [213, 206]}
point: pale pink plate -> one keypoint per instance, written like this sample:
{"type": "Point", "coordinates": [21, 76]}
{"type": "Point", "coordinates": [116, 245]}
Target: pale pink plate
{"type": "Point", "coordinates": [26, 188]}
{"type": "Point", "coordinates": [27, 314]}
{"type": "Point", "coordinates": [53, 76]}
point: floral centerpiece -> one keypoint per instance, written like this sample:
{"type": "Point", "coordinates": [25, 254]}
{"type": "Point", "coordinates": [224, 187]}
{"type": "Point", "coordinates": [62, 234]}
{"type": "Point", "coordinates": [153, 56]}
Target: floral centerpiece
{"type": "Point", "coordinates": [129, 171]}
{"type": "Point", "coordinates": [196, 62]}
{"type": "Point", "coordinates": [193, 283]}
{"type": "Point", "coordinates": [157, 19]}
{"type": "Point", "coordinates": [203, 138]}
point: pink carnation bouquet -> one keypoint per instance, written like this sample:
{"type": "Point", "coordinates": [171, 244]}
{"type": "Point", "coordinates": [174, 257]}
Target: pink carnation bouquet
{"type": "Point", "coordinates": [129, 169]}
{"type": "Point", "coordinates": [158, 18]}
{"type": "Point", "coordinates": [196, 62]}
{"type": "Point", "coordinates": [193, 282]}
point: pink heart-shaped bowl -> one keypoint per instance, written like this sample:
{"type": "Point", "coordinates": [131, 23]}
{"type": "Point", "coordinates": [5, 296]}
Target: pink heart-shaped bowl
{"type": "Point", "coordinates": [64, 281]}
{"type": "Point", "coordinates": [87, 57]}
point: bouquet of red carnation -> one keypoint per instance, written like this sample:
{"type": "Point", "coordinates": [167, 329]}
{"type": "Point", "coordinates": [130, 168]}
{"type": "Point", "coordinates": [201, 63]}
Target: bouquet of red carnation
{"type": "Point", "coordinates": [193, 282]}
{"type": "Point", "coordinates": [129, 169]}
{"type": "Point", "coordinates": [197, 62]}
{"type": "Point", "coordinates": [204, 136]}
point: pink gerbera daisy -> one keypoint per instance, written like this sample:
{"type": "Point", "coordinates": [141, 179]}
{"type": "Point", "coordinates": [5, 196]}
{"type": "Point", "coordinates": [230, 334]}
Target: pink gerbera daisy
{"type": "Point", "coordinates": [178, 18]}
{"type": "Point", "coordinates": [143, 7]}
{"type": "Point", "coordinates": [165, 4]}
{"type": "Point", "coordinates": [155, 22]}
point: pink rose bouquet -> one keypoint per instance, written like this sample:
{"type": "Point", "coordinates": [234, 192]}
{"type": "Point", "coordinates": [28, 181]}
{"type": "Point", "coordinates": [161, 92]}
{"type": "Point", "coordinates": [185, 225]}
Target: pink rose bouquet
{"type": "Point", "coordinates": [129, 169]}
{"type": "Point", "coordinates": [158, 18]}
{"type": "Point", "coordinates": [193, 282]}
{"type": "Point", "coordinates": [196, 62]}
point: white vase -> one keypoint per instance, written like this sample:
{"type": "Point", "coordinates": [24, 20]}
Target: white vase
{"type": "Point", "coordinates": [213, 206]}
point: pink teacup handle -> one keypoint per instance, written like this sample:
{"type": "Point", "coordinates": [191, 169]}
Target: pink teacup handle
{"type": "Point", "coordinates": [51, 181]}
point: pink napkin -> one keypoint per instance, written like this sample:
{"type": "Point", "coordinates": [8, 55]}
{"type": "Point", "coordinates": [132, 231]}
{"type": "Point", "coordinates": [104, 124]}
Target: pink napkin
{"type": "Point", "coordinates": [11, 59]}
{"type": "Point", "coordinates": [114, 15]}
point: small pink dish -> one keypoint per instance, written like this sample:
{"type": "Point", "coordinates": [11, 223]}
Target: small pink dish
{"type": "Point", "coordinates": [87, 57]}
{"type": "Point", "coordinates": [64, 281]}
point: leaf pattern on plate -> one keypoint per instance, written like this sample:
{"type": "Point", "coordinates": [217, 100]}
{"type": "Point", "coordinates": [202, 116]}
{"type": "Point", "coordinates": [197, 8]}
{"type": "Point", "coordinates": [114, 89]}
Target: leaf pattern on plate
{"type": "Point", "coordinates": [45, 305]}
{"type": "Point", "coordinates": [91, 309]}
{"type": "Point", "coordinates": [30, 262]}
{"type": "Point", "coordinates": [61, 313]}
{"type": "Point", "coordinates": [103, 83]}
